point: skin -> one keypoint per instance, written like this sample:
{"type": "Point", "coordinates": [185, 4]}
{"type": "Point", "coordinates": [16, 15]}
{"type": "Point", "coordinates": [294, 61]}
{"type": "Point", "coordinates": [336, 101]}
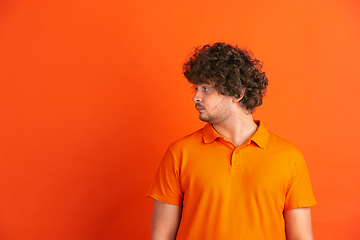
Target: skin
{"type": "Point", "coordinates": [234, 123]}
{"type": "Point", "coordinates": [216, 107]}
{"type": "Point", "coordinates": [298, 224]}
{"type": "Point", "coordinates": [225, 114]}
{"type": "Point", "coordinates": [165, 221]}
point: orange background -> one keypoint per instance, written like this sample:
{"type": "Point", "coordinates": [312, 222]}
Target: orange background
{"type": "Point", "coordinates": [91, 95]}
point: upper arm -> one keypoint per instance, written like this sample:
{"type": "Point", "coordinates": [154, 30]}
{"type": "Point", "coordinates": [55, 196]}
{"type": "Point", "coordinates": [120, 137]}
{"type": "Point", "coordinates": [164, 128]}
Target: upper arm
{"type": "Point", "coordinates": [165, 221]}
{"type": "Point", "coordinates": [298, 224]}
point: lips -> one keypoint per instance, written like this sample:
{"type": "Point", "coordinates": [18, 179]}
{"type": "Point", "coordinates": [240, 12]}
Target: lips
{"type": "Point", "coordinates": [199, 107]}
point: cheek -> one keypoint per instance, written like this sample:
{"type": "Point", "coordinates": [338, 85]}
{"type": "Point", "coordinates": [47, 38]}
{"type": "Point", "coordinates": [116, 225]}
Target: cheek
{"type": "Point", "coordinates": [227, 104]}
{"type": "Point", "coordinates": [221, 104]}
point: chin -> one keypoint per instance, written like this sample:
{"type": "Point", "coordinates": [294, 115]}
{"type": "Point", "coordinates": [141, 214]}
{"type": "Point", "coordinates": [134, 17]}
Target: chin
{"type": "Point", "coordinates": [205, 120]}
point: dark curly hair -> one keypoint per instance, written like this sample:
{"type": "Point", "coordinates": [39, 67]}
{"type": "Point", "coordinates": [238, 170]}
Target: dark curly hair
{"type": "Point", "coordinates": [230, 70]}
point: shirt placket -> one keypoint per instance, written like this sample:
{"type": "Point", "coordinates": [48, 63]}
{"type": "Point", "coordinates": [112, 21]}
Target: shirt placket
{"type": "Point", "coordinates": [236, 156]}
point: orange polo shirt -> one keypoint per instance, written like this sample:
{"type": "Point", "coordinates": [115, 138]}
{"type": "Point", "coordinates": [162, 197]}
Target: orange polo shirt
{"type": "Point", "coordinates": [230, 192]}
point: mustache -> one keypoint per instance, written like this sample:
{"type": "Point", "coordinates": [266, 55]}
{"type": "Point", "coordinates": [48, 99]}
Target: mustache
{"type": "Point", "coordinates": [199, 105]}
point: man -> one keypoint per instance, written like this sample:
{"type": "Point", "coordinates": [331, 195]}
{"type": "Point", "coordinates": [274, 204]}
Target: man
{"type": "Point", "coordinates": [232, 179]}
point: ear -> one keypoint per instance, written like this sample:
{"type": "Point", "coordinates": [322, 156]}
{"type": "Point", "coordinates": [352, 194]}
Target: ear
{"type": "Point", "coordinates": [241, 96]}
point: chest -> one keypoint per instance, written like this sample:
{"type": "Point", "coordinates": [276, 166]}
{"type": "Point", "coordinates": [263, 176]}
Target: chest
{"type": "Point", "coordinates": [224, 171]}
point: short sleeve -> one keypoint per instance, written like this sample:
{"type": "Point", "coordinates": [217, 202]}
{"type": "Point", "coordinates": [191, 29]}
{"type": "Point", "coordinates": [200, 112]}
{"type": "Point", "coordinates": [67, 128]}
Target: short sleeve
{"type": "Point", "coordinates": [166, 185]}
{"type": "Point", "coordinates": [300, 193]}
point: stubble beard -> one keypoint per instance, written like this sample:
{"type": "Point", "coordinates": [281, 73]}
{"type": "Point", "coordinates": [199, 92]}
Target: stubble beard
{"type": "Point", "coordinates": [212, 119]}
{"type": "Point", "coordinates": [204, 118]}
{"type": "Point", "coordinates": [221, 113]}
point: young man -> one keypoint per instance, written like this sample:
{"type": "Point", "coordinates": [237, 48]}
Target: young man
{"type": "Point", "coordinates": [232, 179]}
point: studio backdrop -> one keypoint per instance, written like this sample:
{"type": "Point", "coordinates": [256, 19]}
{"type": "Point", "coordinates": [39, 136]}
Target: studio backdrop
{"type": "Point", "coordinates": [92, 93]}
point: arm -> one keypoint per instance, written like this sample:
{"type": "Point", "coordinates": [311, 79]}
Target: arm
{"type": "Point", "coordinates": [298, 224]}
{"type": "Point", "coordinates": [165, 221]}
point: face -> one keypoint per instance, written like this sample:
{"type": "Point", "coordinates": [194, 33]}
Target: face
{"type": "Point", "coordinates": [213, 107]}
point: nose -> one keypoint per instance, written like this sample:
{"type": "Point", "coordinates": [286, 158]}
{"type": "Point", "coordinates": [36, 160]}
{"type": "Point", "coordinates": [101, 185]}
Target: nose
{"type": "Point", "coordinates": [197, 96]}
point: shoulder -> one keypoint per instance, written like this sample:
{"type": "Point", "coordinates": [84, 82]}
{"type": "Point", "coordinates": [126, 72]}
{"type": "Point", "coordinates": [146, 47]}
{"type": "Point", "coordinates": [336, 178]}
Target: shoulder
{"type": "Point", "coordinates": [188, 141]}
{"type": "Point", "coordinates": [283, 147]}
{"type": "Point", "coordinates": [185, 146]}
{"type": "Point", "coordinates": [286, 154]}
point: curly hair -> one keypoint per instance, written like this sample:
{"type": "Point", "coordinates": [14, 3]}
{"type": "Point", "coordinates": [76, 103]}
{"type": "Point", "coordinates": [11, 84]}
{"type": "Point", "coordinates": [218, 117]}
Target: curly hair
{"type": "Point", "coordinates": [230, 70]}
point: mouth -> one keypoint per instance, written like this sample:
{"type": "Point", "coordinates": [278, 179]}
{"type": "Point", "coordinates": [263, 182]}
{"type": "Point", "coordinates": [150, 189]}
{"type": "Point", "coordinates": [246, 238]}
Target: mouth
{"type": "Point", "coordinates": [199, 107]}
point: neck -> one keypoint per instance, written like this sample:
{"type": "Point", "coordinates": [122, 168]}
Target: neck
{"type": "Point", "coordinates": [237, 130]}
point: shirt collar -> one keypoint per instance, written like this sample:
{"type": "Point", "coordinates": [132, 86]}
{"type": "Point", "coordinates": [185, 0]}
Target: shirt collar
{"type": "Point", "coordinates": [260, 137]}
{"type": "Point", "coordinates": [209, 133]}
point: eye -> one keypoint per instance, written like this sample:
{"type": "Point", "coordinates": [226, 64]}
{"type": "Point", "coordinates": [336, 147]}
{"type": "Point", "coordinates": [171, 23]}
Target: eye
{"type": "Point", "coordinates": [205, 89]}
